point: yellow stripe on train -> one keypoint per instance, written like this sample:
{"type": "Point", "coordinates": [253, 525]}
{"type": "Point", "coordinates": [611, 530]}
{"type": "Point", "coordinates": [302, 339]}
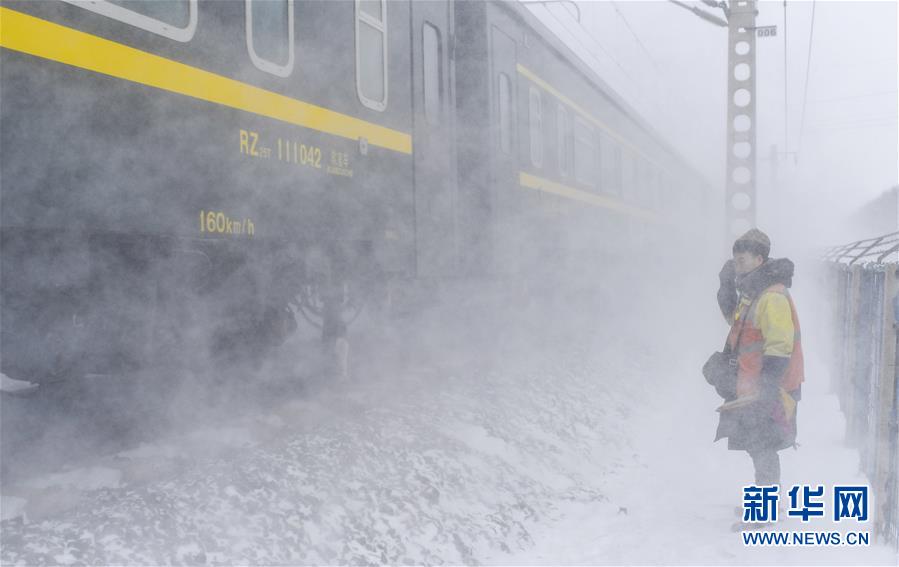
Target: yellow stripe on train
{"type": "Point", "coordinates": [27, 34]}
{"type": "Point", "coordinates": [547, 186]}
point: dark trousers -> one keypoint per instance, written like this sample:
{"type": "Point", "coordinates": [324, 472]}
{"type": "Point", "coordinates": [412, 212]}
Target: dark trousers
{"type": "Point", "coordinates": [767, 466]}
{"type": "Point", "coordinates": [767, 461]}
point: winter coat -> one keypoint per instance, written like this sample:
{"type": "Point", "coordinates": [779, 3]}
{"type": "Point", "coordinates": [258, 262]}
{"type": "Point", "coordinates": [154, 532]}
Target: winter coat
{"type": "Point", "coordinates": [769, 357]}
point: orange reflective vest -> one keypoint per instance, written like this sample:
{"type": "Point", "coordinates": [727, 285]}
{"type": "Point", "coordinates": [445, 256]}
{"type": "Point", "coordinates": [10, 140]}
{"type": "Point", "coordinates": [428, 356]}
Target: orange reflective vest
{"type": "Point", "coordinates": [754, 344]}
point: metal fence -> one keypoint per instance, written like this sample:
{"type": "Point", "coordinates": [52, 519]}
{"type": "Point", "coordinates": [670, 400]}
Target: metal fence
{"type": "Point", "coordinates": [864, 285]}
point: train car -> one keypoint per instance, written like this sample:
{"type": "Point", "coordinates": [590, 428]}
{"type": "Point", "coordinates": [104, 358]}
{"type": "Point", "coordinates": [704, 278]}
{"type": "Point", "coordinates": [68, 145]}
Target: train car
{"type": "Point", "coordinates": [180, 176]}
{"type": "Point", "coordinates": [173, 163]}
{"type": "Point", "coordinates": [572, 175]}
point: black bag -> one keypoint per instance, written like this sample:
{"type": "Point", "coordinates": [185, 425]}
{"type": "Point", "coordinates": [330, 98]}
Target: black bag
{"type": "Point", "coordinates": [720, 370]}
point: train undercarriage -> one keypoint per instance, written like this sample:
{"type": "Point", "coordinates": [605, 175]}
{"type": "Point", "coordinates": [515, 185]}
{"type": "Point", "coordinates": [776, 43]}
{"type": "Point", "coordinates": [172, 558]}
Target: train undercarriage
{"type": "Point", "coordinates": [76, 303]}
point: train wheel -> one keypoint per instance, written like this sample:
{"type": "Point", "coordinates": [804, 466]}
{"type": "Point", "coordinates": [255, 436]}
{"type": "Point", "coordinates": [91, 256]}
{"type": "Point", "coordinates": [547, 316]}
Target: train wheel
{"type": "Point", "coordinates": [331, 304]}
{"type": "Point", "coordinates": [335, 344]}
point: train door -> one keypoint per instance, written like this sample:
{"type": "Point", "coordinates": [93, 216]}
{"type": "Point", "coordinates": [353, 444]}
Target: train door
{"type": "Point", "coordinates": [435, 160]}
{"type": "Point", "coordinates": [504, 165]}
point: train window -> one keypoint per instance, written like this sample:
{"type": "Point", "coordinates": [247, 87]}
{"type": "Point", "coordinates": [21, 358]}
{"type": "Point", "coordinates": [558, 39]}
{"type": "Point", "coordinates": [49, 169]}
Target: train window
{"type": "Point", "coordinates": [432, 72]}
{"type": "Point", "coordinates": [174, 19]}
{"type": "Point", "coordinates": [641, 176]}
{"type": "Point", "coordinates": [564, 141]}
{"type": "Point", "coordinates": [617, 169]}
{"type": "Point", "coordinates": [598, 169]}
{"type": "Point", "coordinates": [624, 173]}
{"type": "Point", "coordinates": [649, 186]}
{"type": "Point", "coordinates": [662, 196]}
{"type": "Point", "coordinates": [270, 35]}
{"type": "Point", "coordinates": [607, 158]}
{"type": "Point", "coordinates": [373, 8]}
{"type": "Point", "coordinates": [583, 151]}
{"type": "Point", "coordinates": [535, 105]}
{"type": "Point", "coordinates": [635, 189]}
{"type": "Point", "coordinates": [506, 123]}
{"type": "Point", "coordinates": [371, 53]}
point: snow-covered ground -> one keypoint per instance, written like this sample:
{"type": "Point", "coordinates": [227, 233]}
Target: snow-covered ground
{"type": "Point", "coordinates": [389, 472]}
{"type": "Point", "coordinates": [546, 447]}
{"type": "Point", "coordinates": [680, 498]}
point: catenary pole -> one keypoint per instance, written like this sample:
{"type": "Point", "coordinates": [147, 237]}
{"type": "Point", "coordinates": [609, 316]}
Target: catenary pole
{"type": "Point", "coordinates": [740, 205]}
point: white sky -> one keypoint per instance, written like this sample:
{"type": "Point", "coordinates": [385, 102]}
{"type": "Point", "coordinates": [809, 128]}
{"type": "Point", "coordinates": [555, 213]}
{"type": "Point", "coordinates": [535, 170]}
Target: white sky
{"type": "Point", "coordinates": [850, 141]}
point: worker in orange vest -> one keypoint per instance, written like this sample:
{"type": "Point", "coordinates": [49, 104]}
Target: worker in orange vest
{"type": "Point", "coordinates": [765, 338]}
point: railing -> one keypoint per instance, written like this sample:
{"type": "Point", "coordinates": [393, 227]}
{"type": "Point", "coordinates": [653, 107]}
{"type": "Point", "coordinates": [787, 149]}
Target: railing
{"type": "Point", "coordinates": [866, 347]}
{"type": "Point", "coordinates": [876, 250]}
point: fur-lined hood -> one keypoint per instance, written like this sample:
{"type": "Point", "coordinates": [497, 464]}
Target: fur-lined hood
{"type": "Point", "coordinates": [774, 271]}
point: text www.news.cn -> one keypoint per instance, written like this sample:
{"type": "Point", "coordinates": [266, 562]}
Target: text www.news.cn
{"type": "Point", "coordinates": [799, 539]}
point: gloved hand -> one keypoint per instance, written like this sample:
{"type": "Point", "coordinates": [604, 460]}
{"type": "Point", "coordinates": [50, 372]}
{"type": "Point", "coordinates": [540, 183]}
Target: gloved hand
{"type": "Point", "coordinates": [727, 290]}
{"type": "Point", "coordinates": [728, 274]}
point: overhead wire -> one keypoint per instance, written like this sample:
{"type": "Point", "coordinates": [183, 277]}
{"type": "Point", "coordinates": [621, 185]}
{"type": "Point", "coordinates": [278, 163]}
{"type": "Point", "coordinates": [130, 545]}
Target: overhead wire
{"type": "Point", "coordinates": [808, 66]}
{"type": "Point", "coordinates": [852, 97]}
{"type": "Point", "coordinates": [600, 65]}
{"type": "Point", "coordinates": [786, 99]}
{"type": "Point", "coordinates": [847, 121]}
{"type": "Point", "coordinates": [671, 93]}
{"type": "Point", "coordinates": [593, 54]}
{"type": "Point", "coordinates": [586, 48]}
{"type": "Point", "coordinates": [859, 126]}
{"type": "Point", "coordinates": [636, 37]}
{"type": "Point", "coordinates": [835, 124]}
